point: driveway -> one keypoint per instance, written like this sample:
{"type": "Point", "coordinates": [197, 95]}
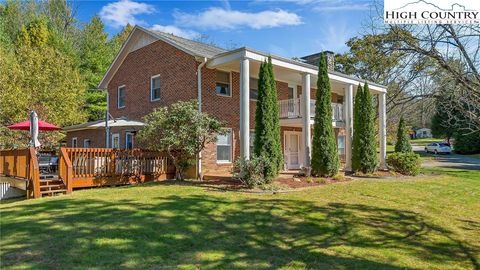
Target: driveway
{"type": "Point", "coordinates": [448, 161]}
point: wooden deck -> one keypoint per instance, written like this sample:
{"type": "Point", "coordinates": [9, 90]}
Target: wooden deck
{"type": "Point", "coordinates": [86, 167]}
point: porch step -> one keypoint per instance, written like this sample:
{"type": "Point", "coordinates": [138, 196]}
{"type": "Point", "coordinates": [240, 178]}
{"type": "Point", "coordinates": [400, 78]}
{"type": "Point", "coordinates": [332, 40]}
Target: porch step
{"type": "Point", "coordinates": [53, 192]}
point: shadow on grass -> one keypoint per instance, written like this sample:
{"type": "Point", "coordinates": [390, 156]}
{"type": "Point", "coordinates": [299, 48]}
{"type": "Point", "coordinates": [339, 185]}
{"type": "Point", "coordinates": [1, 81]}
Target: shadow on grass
{"type": "Point", "coordinates": [200, 231]}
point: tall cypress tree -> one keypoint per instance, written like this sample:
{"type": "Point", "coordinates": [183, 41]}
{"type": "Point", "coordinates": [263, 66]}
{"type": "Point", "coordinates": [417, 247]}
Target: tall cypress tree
{"type": "Point", "coordinates": [358, 120]}
{"type": "Point", "coordinates": [369, 153]}
{"type": "Point", "coordinates": [325, 160]}
{"type": "Point", "coordinates": [267, 127]}
{"type": "Point", "coordinates": [403, 142]}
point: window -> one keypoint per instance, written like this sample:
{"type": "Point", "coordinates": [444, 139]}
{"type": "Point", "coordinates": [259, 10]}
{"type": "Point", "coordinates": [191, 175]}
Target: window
{"type": "Point", "coordinates": [252, 141]}
{"type": "Point", "coordinates": [121, 96]}
{"type": "Point", "coordinates": [341, 144]}
{"type": "Point", "coordinates": [74, 142]}
{"type": "Point", "coordinates": [86, 143]}
{"type": "Point", "coordinates": [155, 88]}
{"type": "Point", "coordinates": [224, 147]}
{"type": "Point", "coordinates": [253, 89]}
{"type": "Point", "coordinates": [128, 140]}
{"type": "Point", "coordinates": [222, 86]}
{"type": "Point", "coordinates": [116, 141]}
{"type": "Point", "coordinates": [291, 92]}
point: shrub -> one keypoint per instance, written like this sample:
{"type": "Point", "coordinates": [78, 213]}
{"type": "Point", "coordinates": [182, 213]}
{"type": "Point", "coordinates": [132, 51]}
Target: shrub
{"type": "Point", "coordinates": [404, 163]}
{"type": "Point", "coordinates": [467, 143]}
{"type": "Point", "coordinates": [250, 172]}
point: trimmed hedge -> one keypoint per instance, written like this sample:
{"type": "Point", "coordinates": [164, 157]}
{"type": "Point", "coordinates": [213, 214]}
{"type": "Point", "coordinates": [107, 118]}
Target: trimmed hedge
{"type": "Point", "coordinates": [404, 163]}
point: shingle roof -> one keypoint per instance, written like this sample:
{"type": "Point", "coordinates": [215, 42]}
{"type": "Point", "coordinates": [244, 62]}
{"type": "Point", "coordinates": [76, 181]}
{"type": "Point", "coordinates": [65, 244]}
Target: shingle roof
{"type": "Point", "coordinates": [198, 48]}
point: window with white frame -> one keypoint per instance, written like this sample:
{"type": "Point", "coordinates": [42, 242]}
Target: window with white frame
{"type": "Point", "coordinates": [224, 147]}
{"type": "Point", "coordinates": [128, 140]}
{"type": "Point", "coordinates": [86, 143]}
{"type": "Point", "coordinates": [222, 86]}
{"type": "Point", "coordinates": [121, 96]}
{"type": "Point", "coordinates": [341, 144]}
{"type": "Point", "coordinates": [74, 142]}
{"type": "Point", "coordinates": [155, 88]}
{"type": "Point", "coordinates": [116, 141]}
{"type": "Point", "coordinates": [253, 89]}
{"type": "Point", "coordinates": [252, 141]}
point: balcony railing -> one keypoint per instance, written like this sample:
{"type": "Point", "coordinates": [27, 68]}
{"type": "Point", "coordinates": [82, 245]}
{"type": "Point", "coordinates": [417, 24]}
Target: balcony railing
{"type": "Point", "coordinates": [292, 108]}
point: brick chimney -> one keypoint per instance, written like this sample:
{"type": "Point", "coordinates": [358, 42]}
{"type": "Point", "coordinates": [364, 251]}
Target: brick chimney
{"type": "Point", "coordinates": [314, 59]}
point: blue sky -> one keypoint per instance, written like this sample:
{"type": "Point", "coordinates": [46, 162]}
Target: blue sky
{"type": "Point", "coordinates": [288, 28]}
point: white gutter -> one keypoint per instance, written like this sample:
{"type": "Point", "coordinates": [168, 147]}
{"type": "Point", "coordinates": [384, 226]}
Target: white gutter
{"type": "Point", "coordinates": [199, 89]}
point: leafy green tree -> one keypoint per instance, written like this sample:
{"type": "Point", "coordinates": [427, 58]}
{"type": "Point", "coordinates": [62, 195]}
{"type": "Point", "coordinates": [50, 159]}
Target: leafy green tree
{"type": "Point", "coordinates": [181, 131]}
{"type": "Point", "coordinates": [403, 142]}
{"type": "Point", "coordinates": [117, 41]}
{"type": "Point", "coordinates": [325, 160]}
{"type": "Point", "coordinates": [267, 127]}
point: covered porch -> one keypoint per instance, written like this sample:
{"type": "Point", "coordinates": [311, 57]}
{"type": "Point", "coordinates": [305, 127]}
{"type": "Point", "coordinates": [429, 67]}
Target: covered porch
{"type": "Point", "coordinates": [298, 109]}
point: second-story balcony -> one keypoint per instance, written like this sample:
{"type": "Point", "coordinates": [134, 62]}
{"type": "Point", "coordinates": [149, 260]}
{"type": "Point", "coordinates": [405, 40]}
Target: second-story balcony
{"type": "Point", "coordinates": [292, 108]}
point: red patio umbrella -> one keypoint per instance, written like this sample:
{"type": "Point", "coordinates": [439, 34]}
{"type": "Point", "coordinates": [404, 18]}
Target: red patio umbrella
{"type": "Point", "coordinates": [42, 125]}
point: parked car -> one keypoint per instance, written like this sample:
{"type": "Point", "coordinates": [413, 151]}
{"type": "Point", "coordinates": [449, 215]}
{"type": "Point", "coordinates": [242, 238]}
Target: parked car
{"type": "Point", "coordinates": [438, 148]}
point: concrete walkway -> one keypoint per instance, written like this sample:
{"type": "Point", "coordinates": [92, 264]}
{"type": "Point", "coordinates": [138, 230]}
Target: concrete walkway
{"type": "Point", "coordinates": [453, 161]}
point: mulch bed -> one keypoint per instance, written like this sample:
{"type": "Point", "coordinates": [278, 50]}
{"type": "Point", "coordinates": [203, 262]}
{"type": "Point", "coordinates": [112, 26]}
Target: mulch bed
{"type": "Point", "coordinates": [377, 174]}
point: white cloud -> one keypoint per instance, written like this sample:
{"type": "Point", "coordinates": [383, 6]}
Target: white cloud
{"type": "Point", "coordinates": [172, 29]}
{"type": "Point", "coordinates": [219, 18]}
{"type": "Point", "coordinates": [342, 7]}
{"type": "Point", "coordinates": [120, 13]}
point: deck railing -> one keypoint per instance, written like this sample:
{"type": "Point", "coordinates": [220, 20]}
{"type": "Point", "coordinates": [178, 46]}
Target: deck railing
{"type": "Point", "coordinates": [97, 166]}
{"type": "Point", "coordinates": [22, 163]}
{"type": "Point", "coordinates": [292, 108]}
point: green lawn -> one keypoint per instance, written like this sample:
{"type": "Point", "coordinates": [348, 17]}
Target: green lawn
{"type": "Point", "coordinates": [425, 141]}
{"type": "Point", "coordinates": [432, 222]}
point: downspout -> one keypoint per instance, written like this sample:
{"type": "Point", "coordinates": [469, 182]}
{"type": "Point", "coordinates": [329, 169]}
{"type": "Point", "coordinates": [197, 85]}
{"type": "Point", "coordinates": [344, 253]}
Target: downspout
{"type": "Point", "coordinates": [199, 89]}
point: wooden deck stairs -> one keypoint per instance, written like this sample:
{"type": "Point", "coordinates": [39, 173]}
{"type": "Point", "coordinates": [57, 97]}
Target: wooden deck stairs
{"type": "Point", "coordinates": [52, 186]}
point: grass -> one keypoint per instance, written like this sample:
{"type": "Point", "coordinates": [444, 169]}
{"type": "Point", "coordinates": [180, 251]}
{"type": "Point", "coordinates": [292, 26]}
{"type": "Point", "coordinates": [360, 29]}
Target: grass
{"type": "Point", "coordinates": [425, 141]}
{"type": "Point", "coordinates": [429, 222]}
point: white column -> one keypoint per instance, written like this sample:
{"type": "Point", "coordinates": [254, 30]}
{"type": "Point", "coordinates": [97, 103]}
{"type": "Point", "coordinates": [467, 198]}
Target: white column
{"type": "Point", "coordinates": [348, 108]}
{"type": "Point", "coordinates": [306, 131]}
{"type": "Point", "coordinates": [382, 110]}
{"type": "Point", "coordinates": [245, 108]}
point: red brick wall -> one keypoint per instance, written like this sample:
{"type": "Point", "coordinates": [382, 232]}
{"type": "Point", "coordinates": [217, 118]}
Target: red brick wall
{"type": "Point", "coordinates": [178, 80]}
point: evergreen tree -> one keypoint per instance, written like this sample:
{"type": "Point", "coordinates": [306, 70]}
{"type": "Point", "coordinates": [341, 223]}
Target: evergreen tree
{"type": "Point", "coordinates": [403, 142]}
{"type": "Point", "coordinates": [369, 146]}
{"type": "Point", "coordinates": [267, 128]}
{"type": "Point", "coordinates": [358, 120]}
{"type": "Point", "coordinates": [325, 160]}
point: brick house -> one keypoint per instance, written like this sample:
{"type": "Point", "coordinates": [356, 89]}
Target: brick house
{"type": "Point", "coordinates": [157, 69]}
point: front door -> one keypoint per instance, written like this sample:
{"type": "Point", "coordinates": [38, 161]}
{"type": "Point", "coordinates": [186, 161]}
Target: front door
{"type": "Point", "coordinates": [292, 150]}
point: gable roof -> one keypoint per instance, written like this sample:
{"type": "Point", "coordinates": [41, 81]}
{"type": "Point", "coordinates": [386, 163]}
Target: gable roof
{"type": "Point", "coordinates": [194, 47]}
{"type": "Point", "coordinates": [140, 37]}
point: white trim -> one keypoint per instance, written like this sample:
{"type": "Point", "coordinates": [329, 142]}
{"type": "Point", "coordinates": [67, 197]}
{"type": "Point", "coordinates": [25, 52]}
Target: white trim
{"type": "Point", "coordinates": [231, 149]}
{"type": "Point", "coordinates": [116, 135]}
{"type": "Point", "coordinates": [229, 83]}
{"type": "Point", "coordinates": [151, 87]}
{"type": "Point", "coordinates": [118, 96]}
{"type": "Point", "coordinates": [75, 139]}
{"type": "Point", "coordinates": [84, 142]}
{"type": "Point", "coordinates": [239, 54]}
{"type": "Point", "coordinates": [126, 136]}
